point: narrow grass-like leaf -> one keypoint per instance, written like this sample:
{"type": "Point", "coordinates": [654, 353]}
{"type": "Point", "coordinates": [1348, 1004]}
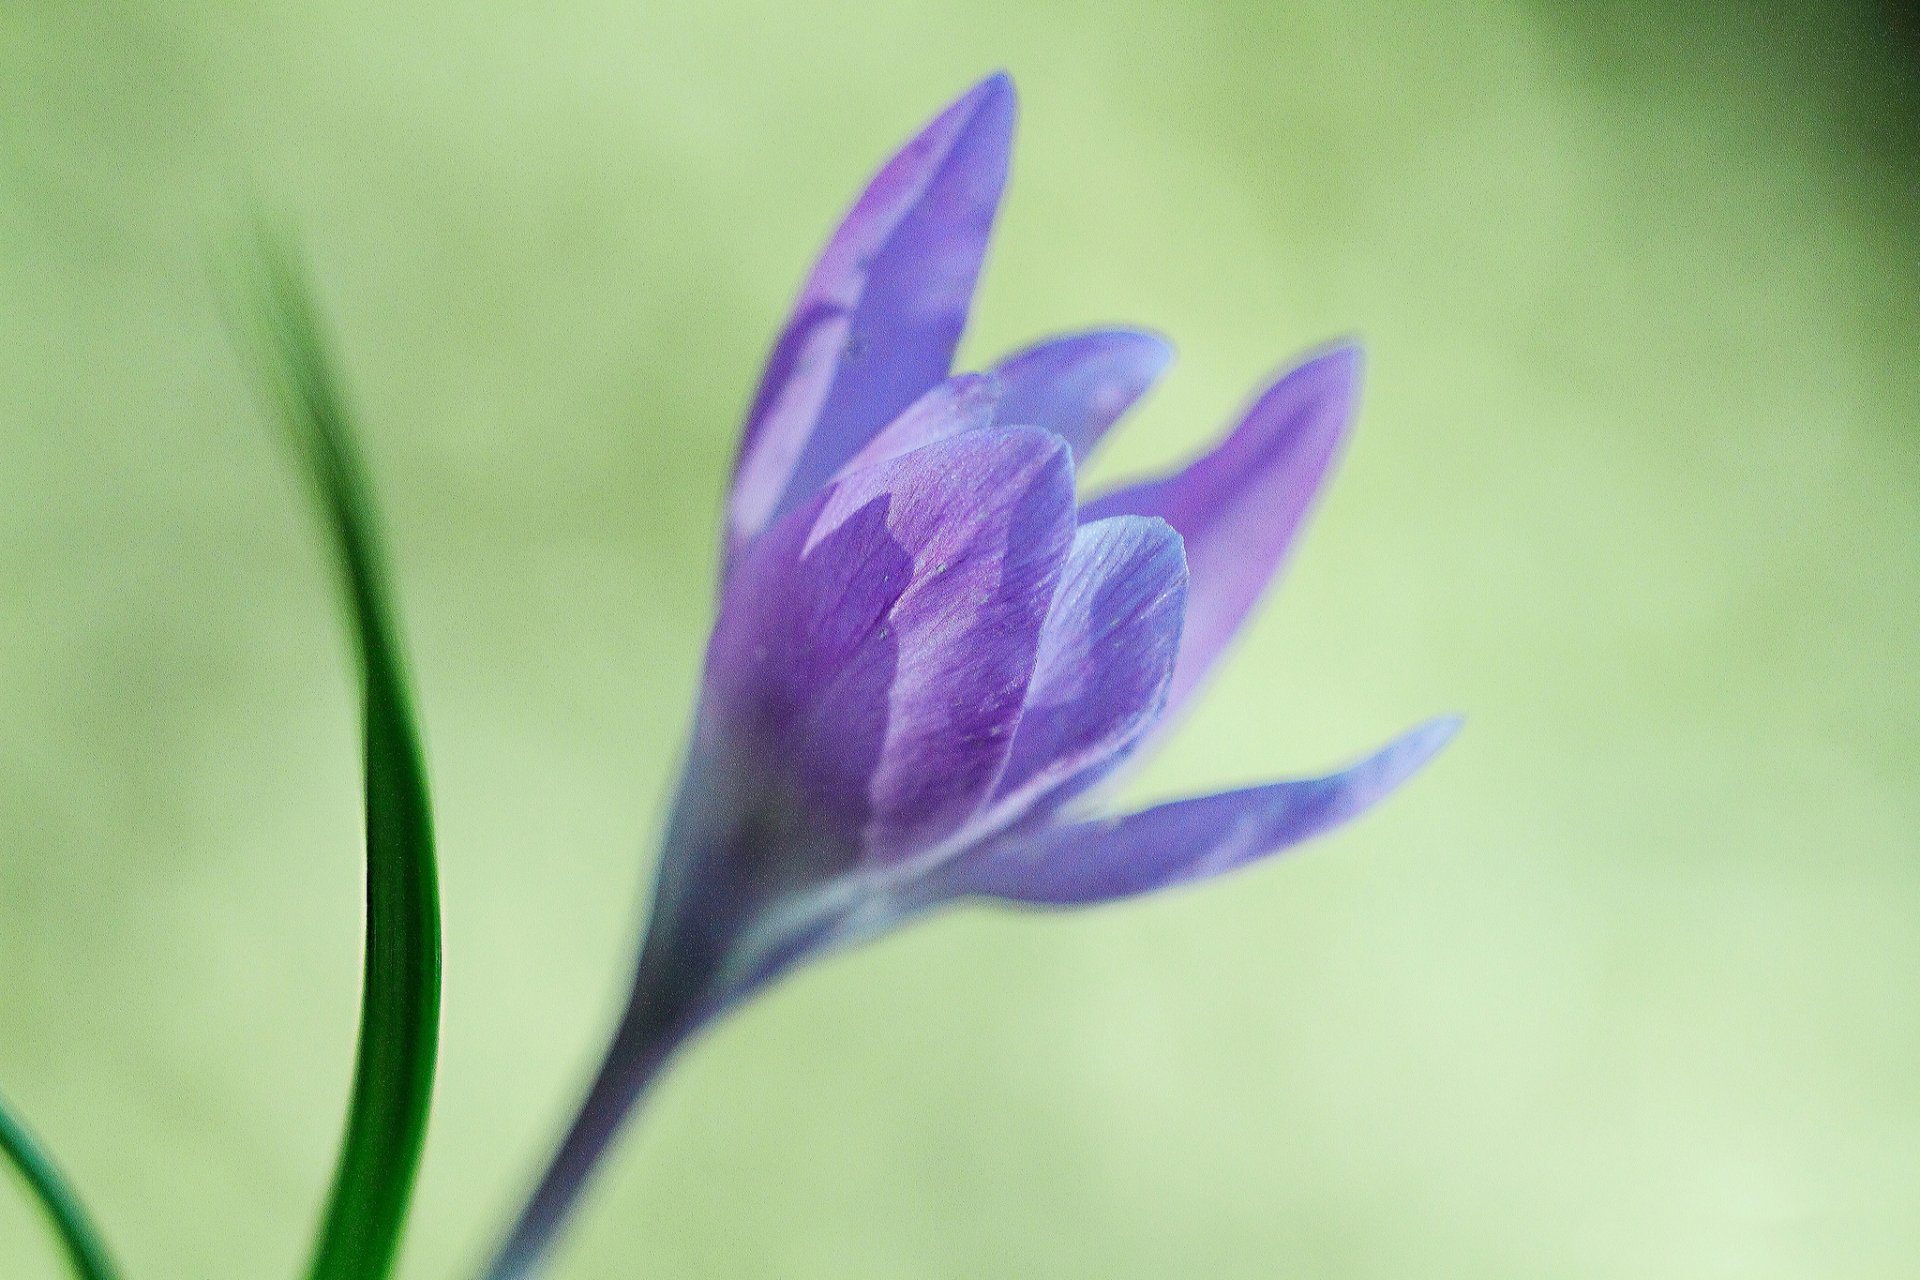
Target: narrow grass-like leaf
{"type": "Point", "coordinates": [400, 998]}
{"type": "Point", "coordinates": [85, 1254]}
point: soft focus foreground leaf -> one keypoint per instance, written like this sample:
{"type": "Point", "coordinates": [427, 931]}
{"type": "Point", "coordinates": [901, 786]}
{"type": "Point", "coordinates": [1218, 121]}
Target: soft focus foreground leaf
{"type": "Point", "coordinates": [85, 1253]}
{"type": "Point", "coordinates": [400, 1001]}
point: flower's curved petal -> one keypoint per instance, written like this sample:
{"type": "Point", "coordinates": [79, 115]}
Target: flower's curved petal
{"type": "Point", "coordinates": [873, 649]}
{"type": "Point", "coordinates": [1075, 387]}
{"type": "Point", "coordinates": [1106, 655]}
{"type": "Point", "coordinates": [1187, 840]}
{"type": "Point", "coordinates": [878, 319]}
{"type": "Point", "coordinates": [1239, 507]}
{"type": "Point", "coordinates": [962, 403]}
{"type": "Point", "coordinates": [1079, 385]}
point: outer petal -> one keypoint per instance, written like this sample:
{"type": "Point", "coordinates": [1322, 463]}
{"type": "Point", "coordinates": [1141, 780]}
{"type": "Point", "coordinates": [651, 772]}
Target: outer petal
{"type": "Point", "coordinates": [1188, 839]}
{"type": "Point", "coordinates": [1239, 507]}
{"type": "Point", "coordinates": [1106, 655]}
{"type": "Point", "coordinates": [1078, 386]}
{"type": "Point", "coordinates": [873, 650]}
{"type": "Point", "coordinates": [878, 319]}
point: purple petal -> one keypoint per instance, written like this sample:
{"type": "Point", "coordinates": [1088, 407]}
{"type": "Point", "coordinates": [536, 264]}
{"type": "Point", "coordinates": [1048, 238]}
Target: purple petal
{"type": "Point", "coordinates": [1078, 386]}
{"type": "Point", "coordinates": [873, 649]}
{"type": "Point", "coordinates": [964, 403]}
{"type": "Point", "coordinates": [1239, 507]}
{"type": "Point", "coordinates": [1189, 839]}
{"type": "Point", "coordinates": [878, 319]}
{"type": "Point", "coordinates": [1106, 654]}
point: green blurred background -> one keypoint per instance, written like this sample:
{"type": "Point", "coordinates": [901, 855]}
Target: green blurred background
{"type": "Point", "coordinates": [1627, 986]}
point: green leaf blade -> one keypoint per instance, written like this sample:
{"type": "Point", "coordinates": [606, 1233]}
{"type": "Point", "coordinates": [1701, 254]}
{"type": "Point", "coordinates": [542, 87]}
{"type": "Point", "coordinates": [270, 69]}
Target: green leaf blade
{"type": "Point", "coordinates": [387, 1115]}
{"type": "Point", "coordinates": [85, 1252]}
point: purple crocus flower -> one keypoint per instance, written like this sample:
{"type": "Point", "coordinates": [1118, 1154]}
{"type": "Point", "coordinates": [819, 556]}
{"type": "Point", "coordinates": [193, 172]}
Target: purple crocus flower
{"type": "Point", "coordinates": [927, 652]}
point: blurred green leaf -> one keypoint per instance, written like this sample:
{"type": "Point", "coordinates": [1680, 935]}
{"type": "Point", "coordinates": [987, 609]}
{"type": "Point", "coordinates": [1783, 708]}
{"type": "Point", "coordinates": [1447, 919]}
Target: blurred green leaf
{"type": "Point", "coordinates": [36, 1168]}
{"type": "Point", "coordinates": [400, 1002]}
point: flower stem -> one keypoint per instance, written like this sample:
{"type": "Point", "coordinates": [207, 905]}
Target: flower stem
{"type": "Point", "coordinates": [640, 1046]}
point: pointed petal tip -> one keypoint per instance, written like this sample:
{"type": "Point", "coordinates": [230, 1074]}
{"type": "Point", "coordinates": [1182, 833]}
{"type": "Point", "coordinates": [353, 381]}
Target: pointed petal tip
{"type": "Point", "coordinates": [1152, 351]}
{"type": "Point", "coordinates": [994, 93]}
{"type": "Point", "coordinates": [1155, 348]}
{"type": "Point", "coordinates": [1347, 346]}
{"type": "Point", "coordinates": [997, 81]}
{"type": "Point", "coordinates": [1399, 760]}
{"type": "Point", "coordinates": [1080, 384]}
{"type": "Point", "coordinates": [1151, 339]}
{"type": "Point", "coordinates": [1437, 733]}
{"type": "Point", "coordinates": [1313, 399]}
{"type": "Point", "coordinates": [1080, 863]}
{"type": "Point", "coordinates": [1334, 369]}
